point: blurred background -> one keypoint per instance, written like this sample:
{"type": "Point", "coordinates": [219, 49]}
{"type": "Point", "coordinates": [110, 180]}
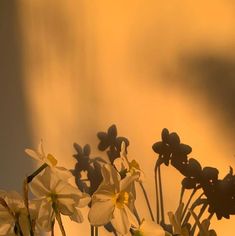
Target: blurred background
{"type": "Point", "coordinates": [72, 68]}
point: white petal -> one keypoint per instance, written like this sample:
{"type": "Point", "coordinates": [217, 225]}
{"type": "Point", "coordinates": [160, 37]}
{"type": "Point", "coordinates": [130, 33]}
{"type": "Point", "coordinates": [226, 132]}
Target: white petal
{"type": "Point", "coordinates": [110, 176]}
{"type": "Point", "coordinates": [62, 172]}
{"type": "Point", "coordinates": [131, 217]}
{"type": "Point", "coordinates": [5, 228]}
{"type": "Point", "coordinates": [149, 228]}
{"type": "Point", "coordinates": [76, 216]}
{"type": "Point", "coordinates": [34, 154]}
{"type": "Point", "coordinates": [101, 212]}
{"type": "Point", "coordinates": [45, 215]}
{"type": "Point", "coordinates": [40, 186]}
{"type": "Point", "coordinates": [128, 181]}
{"type": "Point", "coordinates": [120, 221]}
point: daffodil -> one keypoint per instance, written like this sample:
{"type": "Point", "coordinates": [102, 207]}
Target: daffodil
{"type": "Point", "coordinates": [49, 160]}
{"type": "Point", "coordinates": [123, 165]}
{"type": "Point", "coordinates": [56, 196]}
{"type": "Point", "coordinates": [13, 214]}
{"type": "Point", "coordinates": [113, 201]}
{"type": "Point", "coordinates": [150, 228]}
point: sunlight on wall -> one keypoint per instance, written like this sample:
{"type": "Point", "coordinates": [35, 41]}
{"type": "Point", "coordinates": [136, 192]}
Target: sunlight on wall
{"type": "Point", "coordinates": [88, 64]}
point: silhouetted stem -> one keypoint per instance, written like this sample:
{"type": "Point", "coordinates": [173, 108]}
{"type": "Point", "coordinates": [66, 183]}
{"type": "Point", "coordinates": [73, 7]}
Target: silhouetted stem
{"type": "Point", "coordinates": [96, 231]}
{"type": "Point", "coordinates": [92, 230]}
{"type": "Point", "coordinates": [156, 193]}
{"type": "Point", "coordinates": [147, 200]}
{"type": "Point", "coordinates": [199, 216]}
{"type": "Point", "coordinates": [189, 200]}
{"type": "Point", "coordinates": [210, 216]}
{"type": "Point", "coordinates": [181, 194]}
{"type": "Point", "coordinates": [192, 208]}
{"type": "Point", "coordinates": [161, 195]}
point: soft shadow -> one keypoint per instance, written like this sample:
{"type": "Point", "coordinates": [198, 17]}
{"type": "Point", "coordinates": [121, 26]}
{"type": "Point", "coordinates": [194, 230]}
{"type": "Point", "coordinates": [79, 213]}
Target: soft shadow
{"type": "Point", "coordinates": [15, 133]}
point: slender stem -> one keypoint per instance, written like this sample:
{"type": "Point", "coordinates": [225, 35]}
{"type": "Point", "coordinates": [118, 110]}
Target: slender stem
{"type": "Point", "coordinates": [156, 193]}
{"type": "Point", "coordinates": [161, 195]}
{"type": "Point", "coordinates": [96, 231]}
{"type": "Point", "coordinates": [52, 227]}
{"type": "Point", "coordinates": [210, 216]}
{"type": "Point", "coordinates": [187, 217]}
{"type": "Point", "coordinates": [181, 194]}
{"type": "Point", "coordinates": [26, 203]}
{"type": "Point", "coordinates": [35, 173]}
{"type": "Point", "coordinates": [199, 216]}
{"type": "Point", "coordinates": [186, 206]}
{"type": "Point", "coordinates": [58, 218]}
{"type": "Point", "coordinates": [92, 230]}
{"type": "Point", "coordinates": [136, 215]}
{"type": "Point", "coordinates": [147, 200]}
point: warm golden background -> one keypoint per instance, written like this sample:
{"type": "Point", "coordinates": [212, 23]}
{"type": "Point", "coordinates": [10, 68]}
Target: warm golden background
{"type": "Point", "coordinates": [72, 68]}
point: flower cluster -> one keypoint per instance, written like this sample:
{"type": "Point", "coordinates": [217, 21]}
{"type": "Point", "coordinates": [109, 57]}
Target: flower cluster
{"type": "Point", "coordinates": [108, 190]}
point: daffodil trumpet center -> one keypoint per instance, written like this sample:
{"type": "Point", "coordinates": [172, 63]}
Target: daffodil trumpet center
{"type": "Point", "coordinates": [51, 159]}
{"type": "Point", "coordinates": [121, 199]}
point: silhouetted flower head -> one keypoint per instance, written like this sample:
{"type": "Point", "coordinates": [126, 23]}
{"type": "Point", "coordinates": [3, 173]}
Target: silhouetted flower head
{"type": "Point", "coordinates": [109, 140]}
{"type": "Point", "coordinates": [192, 172]}
{"type": "Point", "coordinates": [220, 193]}
{"type": "Point", "coordinates": [89, 166]}
{"type": "Point", "coordinates": [170, 149]}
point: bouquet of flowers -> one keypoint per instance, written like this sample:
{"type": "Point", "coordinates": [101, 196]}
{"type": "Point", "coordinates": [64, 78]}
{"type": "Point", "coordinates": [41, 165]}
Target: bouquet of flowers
{"type": "Point", "coordinates": [108, 189]}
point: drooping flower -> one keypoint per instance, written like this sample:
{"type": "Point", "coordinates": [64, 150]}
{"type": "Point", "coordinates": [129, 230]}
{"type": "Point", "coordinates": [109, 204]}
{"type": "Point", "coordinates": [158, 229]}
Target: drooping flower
{"type": "Point", "coordinates": [55, 195]}
{"type": "Point", "coordinates": [49, 160]}
{"type": "Point", "coordinates": [150, 228]}
{"type": "Point", "coordinates": [113, 201]}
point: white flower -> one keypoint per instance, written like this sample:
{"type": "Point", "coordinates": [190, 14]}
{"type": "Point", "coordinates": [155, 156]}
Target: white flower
{"type": "Point", "coordinates": [122, 164]}
{"type": "Point", "coordinates": [113, 201]}
{"type": "Point", "coordinates": [12, 209]}
{"type": "Point", "coordinates": [150, 228]}
{"type": "Point", "coordinates": [48, 159]}
{"type": "Point", "coordinates": [53, 192]}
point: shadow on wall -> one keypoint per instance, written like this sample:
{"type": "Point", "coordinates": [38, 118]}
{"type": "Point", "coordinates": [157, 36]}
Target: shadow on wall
{"type": "Point", "coordinates": [15, 133]}
{"type": "Point", "coordinates": [212, 76]}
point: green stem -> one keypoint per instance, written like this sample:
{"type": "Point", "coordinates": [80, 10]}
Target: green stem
{"type": "Point", "coordinates": [136, 215]}
{"type": "Point", "coordinates": [58, 218]}
{"type": "Point", "coordinates": [52, 227]}
{"type": "Point", "coordinates": [26, 203]}
{"type": "Point", "coordinates": [161, 196]}
{"type": "Point", "coordinates": [147, 200]}
{"type": "Point", "coordinates": [41, 168]}
{"type": "Point", "coordinates": [156, 193]}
